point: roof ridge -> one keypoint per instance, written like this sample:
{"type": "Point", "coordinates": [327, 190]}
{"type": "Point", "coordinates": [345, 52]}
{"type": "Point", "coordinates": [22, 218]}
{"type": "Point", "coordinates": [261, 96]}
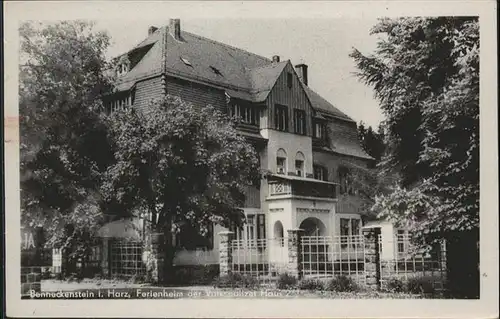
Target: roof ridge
{"type": "Point", "coordinates": [269, 65]}
{"type": "Point", "coordinates": [228, 46]}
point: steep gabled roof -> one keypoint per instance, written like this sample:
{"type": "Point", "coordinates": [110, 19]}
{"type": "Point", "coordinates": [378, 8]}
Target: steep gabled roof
{"type": "Point", "coordinates": [323, 106]}
{"type": "Point", "coordinates": [245, 75]}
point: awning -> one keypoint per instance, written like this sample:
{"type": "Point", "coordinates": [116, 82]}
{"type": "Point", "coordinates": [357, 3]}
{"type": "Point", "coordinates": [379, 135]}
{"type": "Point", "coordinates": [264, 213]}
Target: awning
{"type": "Point", "coordinates": [129, 229]}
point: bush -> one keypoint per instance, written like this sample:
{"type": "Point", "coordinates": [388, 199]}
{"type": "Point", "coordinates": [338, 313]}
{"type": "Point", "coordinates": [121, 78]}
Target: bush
{"type": "Point", "coordinates": [310, 284]}
{"type": "Point", "coordinates": [285, 281]}
{"type": "Point", "coordinates": [235, 280]}
{"type": "Point", "coordinates": [342, 284]}
{"type": "Point", "coordinates": [420, 285]}
{"type": "Point", "coordinates": [394, 285]}
{"type": "Point", "coordinates": [198, 275]}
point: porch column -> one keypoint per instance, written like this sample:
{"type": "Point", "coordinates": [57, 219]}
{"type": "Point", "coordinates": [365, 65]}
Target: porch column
{"type": "Point", "coordinates": [225, 253]}
{"type": "Point", "coordinates": [294, 266]}
{"type": "Point", "coordinates": [372, 258]}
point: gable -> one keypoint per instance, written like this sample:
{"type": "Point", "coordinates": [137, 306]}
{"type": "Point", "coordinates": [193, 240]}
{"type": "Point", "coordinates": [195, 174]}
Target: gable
{"type": "Point", "coordinates": [293, 97]}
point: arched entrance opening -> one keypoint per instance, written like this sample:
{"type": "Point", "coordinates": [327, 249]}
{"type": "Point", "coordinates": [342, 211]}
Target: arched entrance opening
{"type": "Point", "coordinates": [313, 227]}
{"type": "Point", "coordinates": [315, 251]}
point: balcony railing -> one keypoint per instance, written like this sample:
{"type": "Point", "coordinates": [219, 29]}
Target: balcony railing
{"type": "Point", "coordinates": [301, 187]}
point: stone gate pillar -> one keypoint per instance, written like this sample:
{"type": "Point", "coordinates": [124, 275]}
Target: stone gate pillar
{"type": "Point", "coordinates": [294, 266]}
{"type": "Point", "coordinates": [156, 258]}
{"type": "Point", "coordinates": [32, 244]}
{"type": "Point", "coordinates": [225, 253]}
{"type": "Point", "coordinates": [372, 258]}
{"type": "Point", "coordinates": [105, 257]}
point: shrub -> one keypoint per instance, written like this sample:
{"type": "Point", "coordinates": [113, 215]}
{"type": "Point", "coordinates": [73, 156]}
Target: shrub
{"type": "Point", "coordinates": [286, 281]}
{"type": "Point", "coordinates": [198, 275]}
{"type": "Point", "coordinates": [420, 285]}
{"type": "Point", "coordinates": [394, 285]}
{"type": "Point", "coordinates": [342, 284]}
{"type": "Point", "coordinates": [235, 280]}
{"type": "Point", "coordinates": [310, 284]}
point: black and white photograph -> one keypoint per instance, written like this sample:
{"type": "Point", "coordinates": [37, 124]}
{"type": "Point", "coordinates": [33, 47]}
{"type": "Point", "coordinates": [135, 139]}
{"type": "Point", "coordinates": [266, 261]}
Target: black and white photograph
{"type": "Point", "coordinates": [215, 154]}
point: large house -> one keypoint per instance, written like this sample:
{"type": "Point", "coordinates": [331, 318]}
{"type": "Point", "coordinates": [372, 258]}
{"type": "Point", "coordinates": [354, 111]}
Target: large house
{"type": "Point", "coordinates": [304, 141]}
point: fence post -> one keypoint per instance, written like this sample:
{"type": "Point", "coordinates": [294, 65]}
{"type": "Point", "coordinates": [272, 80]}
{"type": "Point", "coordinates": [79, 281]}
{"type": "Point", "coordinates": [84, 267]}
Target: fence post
{"type": "Point", "coordinates": [372, 258]}
{"type": "Point", "coordinates": [225, 253]}
{"type": "Point", "coordinates": [294, 266]}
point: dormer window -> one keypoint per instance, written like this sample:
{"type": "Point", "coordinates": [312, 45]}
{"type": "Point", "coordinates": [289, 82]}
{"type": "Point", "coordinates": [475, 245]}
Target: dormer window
{"type": "Point", "coordinates": [215, 70]}
{"type": "Point", "coordinates": [319, 130]}
{"type": "Point", "coordinates": [122, 69]}
{"type": "Point", "coordinates": [186, 62]}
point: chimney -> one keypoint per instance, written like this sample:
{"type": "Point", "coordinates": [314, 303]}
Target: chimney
{"type": "Point", "coordinates": [301, 70]}
{"type": "Point", "coordinates": [276, 58]}
{"type": "Point", "coordinates": [152, 30]}
{"type": "Point", "coordinates": [175, 28]}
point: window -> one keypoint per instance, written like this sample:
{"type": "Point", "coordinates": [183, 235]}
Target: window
{"type": "Point", "coordinates": [299, 121]}
{"type": "Point", "coordinates": [402, 241]}
{"type": "Point", "coordinates": [299, 167]}
{"type": "Point", "coordinates": [186, 62]}
{"type": "Point", "coordinates": [350, 227]}
{"type": "Point", "coordinates": [281, 165]}
{"type": "Point", "coordinates": [250, 227]}
{"type": "Point", "coordinates": [299, 164]}
{"type": "Point", "coordinates": [252, 230]}
{"type": "Point", "coordinates": [319, 131]}
{"type": "Point", "coordinates": [345, 181]}
{"type": "Point", "coordinates": [281, 161]}
{"type": "Point", "coordinates": [320, 173]}
{"type": "Point", "coordinates": [261, 226]}
{"type": "Point", "coordinates": [245, 113]}
{"type": "Point", "coordinates": [281, 118]}
{"type": "Point", "coordinates": [289, 79]}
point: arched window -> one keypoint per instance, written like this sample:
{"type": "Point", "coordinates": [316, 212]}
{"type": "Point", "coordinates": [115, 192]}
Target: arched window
{"type": "Point", "coordinates": [345, 181]}
{"type": "Point", "coordinates": [299, 164]}
{"type": "Point", "coordinates": [281, 161]}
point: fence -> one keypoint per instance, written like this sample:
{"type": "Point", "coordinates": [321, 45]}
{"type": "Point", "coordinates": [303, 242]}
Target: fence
{"type": "Point", "coordinates": [402, 261]}
{"type": "Point", "coordinates": [263, 259]}
{"type": "Point", "coordinates": [369, 259]}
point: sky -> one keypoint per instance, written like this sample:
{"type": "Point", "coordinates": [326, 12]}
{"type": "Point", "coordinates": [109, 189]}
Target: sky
{"type": "Point", "coordinates": [323, 44]}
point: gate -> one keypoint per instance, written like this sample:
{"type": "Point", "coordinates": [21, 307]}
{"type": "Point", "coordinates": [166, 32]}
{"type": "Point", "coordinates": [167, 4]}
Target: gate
{"type": "Point", "coordinates": [126, 258]}
{"type": "Point", "coordinates": [330, 256]}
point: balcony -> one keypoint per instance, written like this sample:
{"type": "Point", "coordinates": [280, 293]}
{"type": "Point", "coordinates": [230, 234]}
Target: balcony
{"type": "Point", "coordinates": [283, 185]}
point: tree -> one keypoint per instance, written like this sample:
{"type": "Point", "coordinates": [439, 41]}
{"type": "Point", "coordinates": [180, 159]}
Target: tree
{"type": "Point", "coordinates": [371, 141]}
{"type": "Point", "coordinates": [181, 165]}
{"type": "Point", "coordinates": [63, 145]}
{"type": "Point", "coordinates": [425, 74]}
